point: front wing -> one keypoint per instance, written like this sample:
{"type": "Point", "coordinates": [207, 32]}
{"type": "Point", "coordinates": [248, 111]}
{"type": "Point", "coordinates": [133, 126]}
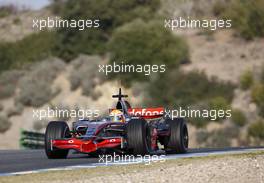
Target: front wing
{"type": "Point", "coordinates": [87, 146]}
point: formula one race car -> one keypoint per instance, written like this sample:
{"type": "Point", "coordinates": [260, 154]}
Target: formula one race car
{"type": "Point", "coordinates": [126, 130]}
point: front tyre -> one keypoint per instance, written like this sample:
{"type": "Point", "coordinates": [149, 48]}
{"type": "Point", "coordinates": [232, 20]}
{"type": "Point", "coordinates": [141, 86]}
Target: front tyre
{"type": "Point", "coordinates": [138, 137]}
{"type": "Point", "coordinates": [56, 130]}
{"type": "Point", "coordinates": [178, 139]}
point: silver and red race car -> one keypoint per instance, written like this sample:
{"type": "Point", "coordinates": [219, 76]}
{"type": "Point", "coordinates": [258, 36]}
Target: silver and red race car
{"type": "Point", "coordinates": [126, 130]}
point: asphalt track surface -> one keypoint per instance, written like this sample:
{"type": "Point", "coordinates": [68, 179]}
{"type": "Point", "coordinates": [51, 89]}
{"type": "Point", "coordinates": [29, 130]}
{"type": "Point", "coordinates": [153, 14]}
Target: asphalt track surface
{"type": "Point", "coordinates": [30, 160]}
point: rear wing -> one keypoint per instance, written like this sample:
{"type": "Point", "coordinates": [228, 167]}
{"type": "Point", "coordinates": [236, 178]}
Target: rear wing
{"type": "Point", "coordinates": [147, 113]}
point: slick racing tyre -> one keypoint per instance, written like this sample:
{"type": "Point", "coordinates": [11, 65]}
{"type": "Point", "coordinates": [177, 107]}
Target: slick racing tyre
{"type": "Point", "coordinates": [56, 130]}
{"type": "Point", "coordinates": [178, 140]}
{"type": "Point", "coordinates": [138, 137]}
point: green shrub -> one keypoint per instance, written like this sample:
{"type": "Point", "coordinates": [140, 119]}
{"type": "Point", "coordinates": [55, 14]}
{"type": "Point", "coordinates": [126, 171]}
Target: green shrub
{"type": "Point", "coordinates": [199, 122]}
{"type": "Point", "coordinates": [247, 17]}
{"type": "Point", "coordinates": [40, 124]}
{"type": "Point", "coordinates": [30, 49]}
{"type": "Point", "coordinates": [85, 75]}
{"type": "Point", "coordinates": [256, 130]}
{"type": "Point", "coordinates": [146, 43]}
{"type": "Point", "coordinates": [17, 21]}
{"type": "Point", "coordinates": [180, 89]}
{"type": "Point", "coordinates": [262, 74]}
{"type": "Point", "coordinates": [8, 82]}
{"type": "Point", "coordinates": [219, 139]}
{"type": "Point", "coordinates": [7, 10]}
{"type": "Point", "coordinates": [257, 94]}
{"type": "Point", "coordinates": [238, 118]}
{"type": "Point", "coordinates": [96, 95]}
{"type": "Point", "coordinates": [202, 136]}
{"type": "Point", "coordinates": [34, 92]}
{"type": "Point", "coordinates": [5, 124]}
{"type": "Point", "coordinates": [35, 87]}
{"type": "Point", "coordinates": [88, 87]}
{"type": "Point", "coordinates": [17, 110]}
{"type": "Point", "coordinates": [112, 13]}
{"type": "Point", "coordinates": [219, 7]}
{"type": "Point", "coordinates": [232, 132]}
{"type": "Point", "coordinates": [71, 43]}
{"type": "Point", "coordinates": [222, 137]}
{"type": "Point", "coordinates": [219, 103]}
{"type": "Point", "coordinates": [246, 80]}
{"type": "Point", "coordinates": [63, 116]}
{"type": "Point", "coordinates": [57, 6]}
{"type": "Point", "coordinates": [75, 81]}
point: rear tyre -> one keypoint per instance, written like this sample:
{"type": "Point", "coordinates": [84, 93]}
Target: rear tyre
{"type": "Point", "coordinates": [56, 130]}
{"type": "Point", "coordinates": [178, 139]}
{"type": "Point", "coordinates": [137, 137]}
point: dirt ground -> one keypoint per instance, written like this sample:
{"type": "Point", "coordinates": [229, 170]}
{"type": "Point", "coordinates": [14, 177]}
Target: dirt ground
{"type": "Point", "coordinates": [18, 26]}
{"type": "Point", "coordinates": [235, 169]}
{"type": "Point", "coordinates": [223, 55]}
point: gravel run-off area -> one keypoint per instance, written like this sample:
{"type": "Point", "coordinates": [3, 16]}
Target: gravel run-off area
{"type": "Point", "coordinates": [232, 168]}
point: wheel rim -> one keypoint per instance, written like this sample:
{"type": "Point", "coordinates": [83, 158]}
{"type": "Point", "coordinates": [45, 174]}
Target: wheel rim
{"type": "Point", "coordinates": [149, 140]}
{"type": "Point", "coordinates": [185, 137]}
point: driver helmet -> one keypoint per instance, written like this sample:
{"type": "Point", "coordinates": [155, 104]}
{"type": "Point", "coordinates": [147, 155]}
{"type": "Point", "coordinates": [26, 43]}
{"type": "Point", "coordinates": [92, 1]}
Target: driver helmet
{"type": "Point", "coordinates": [117, 116]}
